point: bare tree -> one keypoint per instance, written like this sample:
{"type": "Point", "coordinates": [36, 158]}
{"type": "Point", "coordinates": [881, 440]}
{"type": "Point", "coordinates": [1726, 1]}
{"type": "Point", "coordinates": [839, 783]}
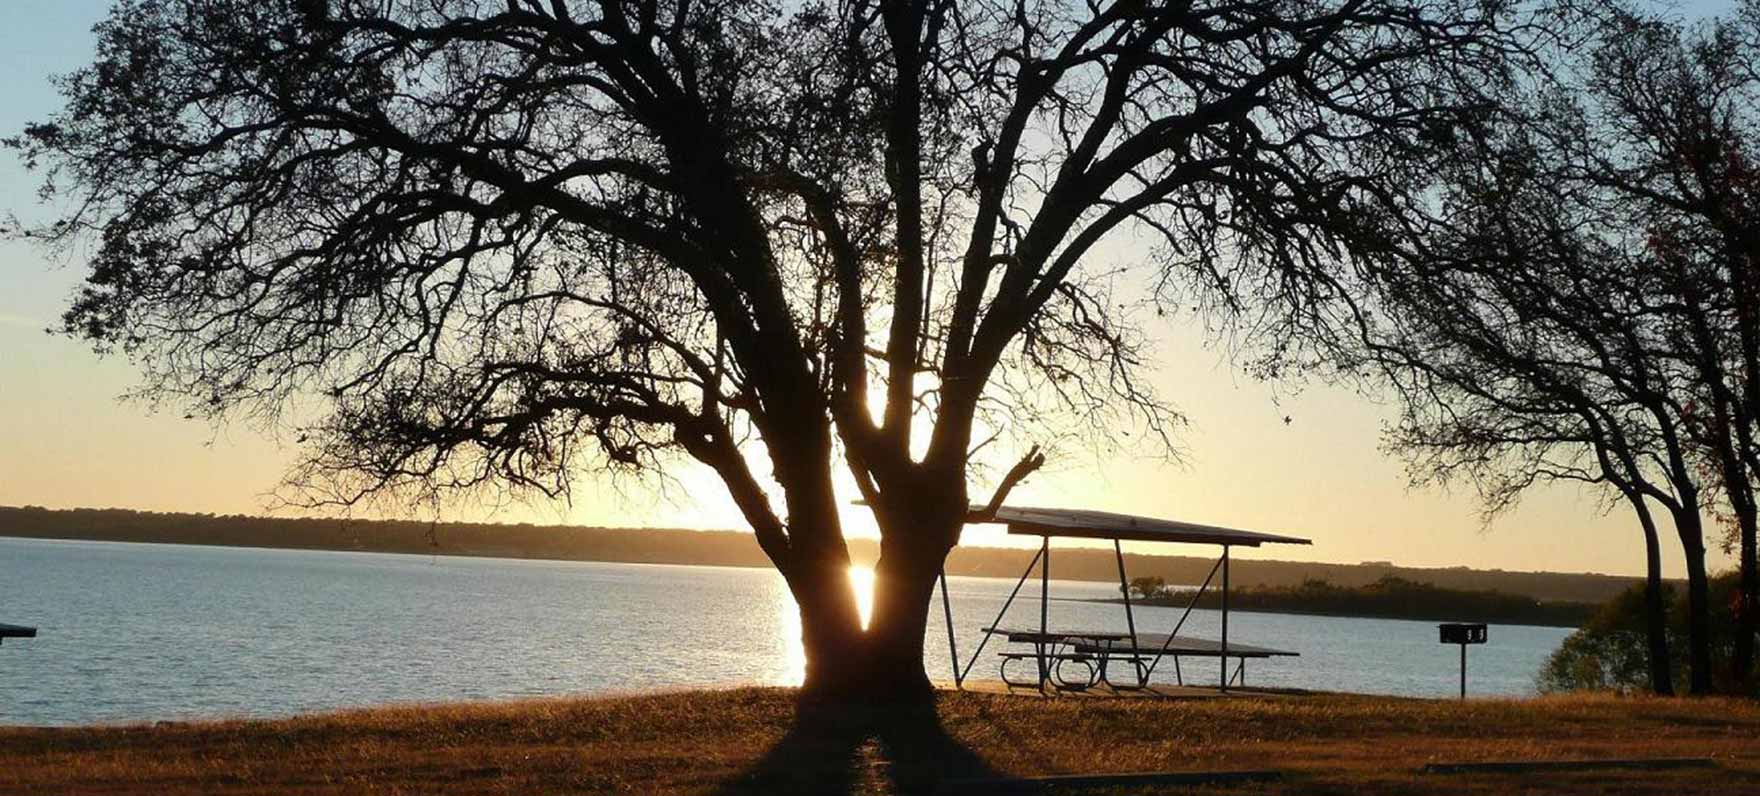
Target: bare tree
{"type": "Point", "coordinates": [1677, 148]}
{"type": "Point", "coordinates": [1580, 306]}
{"type": "Point", "coordinates": [506, 242]}
{"type": "Point", "coordinates": [1516, 367]}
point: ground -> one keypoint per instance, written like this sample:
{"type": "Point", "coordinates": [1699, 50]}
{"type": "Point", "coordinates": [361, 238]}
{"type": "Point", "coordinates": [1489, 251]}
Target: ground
{"type": "Point", "coordinates": [756, 741]}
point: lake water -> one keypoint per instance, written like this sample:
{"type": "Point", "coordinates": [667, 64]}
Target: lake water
{"type": "Point", "coordinates": [141, 632]}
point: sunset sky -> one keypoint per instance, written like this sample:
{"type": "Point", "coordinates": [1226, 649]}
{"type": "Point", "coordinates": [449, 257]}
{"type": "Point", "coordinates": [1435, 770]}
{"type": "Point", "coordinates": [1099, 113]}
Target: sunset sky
{"type": "Point", "coordinates": [66, 441]}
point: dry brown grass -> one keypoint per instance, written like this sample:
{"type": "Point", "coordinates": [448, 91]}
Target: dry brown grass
{"type": "Point", "coordinates": [751, 741]}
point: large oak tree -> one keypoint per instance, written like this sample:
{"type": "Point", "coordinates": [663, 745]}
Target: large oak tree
{"type": "Point", "coordinates": [498, 244]}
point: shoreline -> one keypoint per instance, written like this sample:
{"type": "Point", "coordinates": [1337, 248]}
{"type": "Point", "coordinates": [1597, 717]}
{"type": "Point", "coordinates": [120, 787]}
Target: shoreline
{"type": "Point", "coordinates": [1135, 602]}
{"type": "Point", "coordinates": [525, 541]}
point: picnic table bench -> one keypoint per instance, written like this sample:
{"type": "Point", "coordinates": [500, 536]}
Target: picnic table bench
{"type": "Point", "coordinates": [1051, 650]}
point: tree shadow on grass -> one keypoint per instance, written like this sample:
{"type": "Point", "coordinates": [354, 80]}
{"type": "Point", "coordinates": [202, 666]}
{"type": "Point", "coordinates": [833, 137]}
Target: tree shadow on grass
{"type": "Point", "coordinates": [860, 749]}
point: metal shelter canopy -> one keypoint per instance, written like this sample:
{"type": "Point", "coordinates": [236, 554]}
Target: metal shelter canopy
{"type": "Point", "coordinates": [1116, 528]}
{"type": "Point", "coordinates": [1086, 524]}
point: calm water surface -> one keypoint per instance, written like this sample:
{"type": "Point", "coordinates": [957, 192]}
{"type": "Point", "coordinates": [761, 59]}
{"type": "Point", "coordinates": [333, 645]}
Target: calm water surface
{"type": "Point", "coordinates": [140, 632]}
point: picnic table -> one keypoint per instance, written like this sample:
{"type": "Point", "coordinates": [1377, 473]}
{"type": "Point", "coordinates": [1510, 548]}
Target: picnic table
{"type": "Point", "coordinates": [1098, 651]}
{"type": "Point", "coordinates": [16, 631]}
{"type": "Point", "coordinates": [1052, 649]}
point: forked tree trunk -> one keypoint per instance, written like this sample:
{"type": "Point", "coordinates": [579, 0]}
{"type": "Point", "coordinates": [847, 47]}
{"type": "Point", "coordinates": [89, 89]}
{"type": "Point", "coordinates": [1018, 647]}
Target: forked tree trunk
{"type": "Point", "coordinates": [884, 663]}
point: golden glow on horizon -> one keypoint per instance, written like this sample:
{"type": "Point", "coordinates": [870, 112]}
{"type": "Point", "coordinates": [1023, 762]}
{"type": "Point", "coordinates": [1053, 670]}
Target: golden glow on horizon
{"type": "Point", "coordinates": [69, 444]}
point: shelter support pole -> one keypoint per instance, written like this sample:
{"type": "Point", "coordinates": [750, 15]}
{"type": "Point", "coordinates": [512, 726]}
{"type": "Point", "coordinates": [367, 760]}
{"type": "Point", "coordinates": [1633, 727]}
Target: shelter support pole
{"type": "Point", "coordinates": [1225, 617]}
{"type": "Point", "coordinates": [1205, 586]}
{"type": "Point", "coordinates": [952, 649]}
{"type": "Point", "coordinates": [1044, 606]}
{"type": "Point", "coordinates": [1129, 620]}
{"type": "Point", "coordinates": [999, 614]}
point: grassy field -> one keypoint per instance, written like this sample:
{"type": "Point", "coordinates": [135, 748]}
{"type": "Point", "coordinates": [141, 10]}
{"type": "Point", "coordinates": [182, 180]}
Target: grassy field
{"type": "Point", "coordinates": [755, 741]}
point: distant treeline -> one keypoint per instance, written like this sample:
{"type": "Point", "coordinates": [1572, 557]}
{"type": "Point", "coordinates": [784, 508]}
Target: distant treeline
{"type": "Point", "coordinates": [735, 548]}
{"type": "Point", "coordinates": [1390, 597]}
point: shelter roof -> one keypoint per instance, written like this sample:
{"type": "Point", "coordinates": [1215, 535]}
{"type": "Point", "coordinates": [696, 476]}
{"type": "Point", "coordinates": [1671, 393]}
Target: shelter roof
{"type": "Point", "coordinates": [1087, 524]}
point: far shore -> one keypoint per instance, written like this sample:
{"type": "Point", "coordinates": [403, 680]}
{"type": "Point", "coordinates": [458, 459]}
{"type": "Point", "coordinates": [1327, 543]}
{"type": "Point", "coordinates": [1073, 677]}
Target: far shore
{"type": "Point", "coordinates": [1388, 598]}
{"type": "Point", "coordinates": [758, 741]}
{"type": "Point", "coordinates": [1439, 616]}
{"type": "Point", "coordinates": [738, 548]}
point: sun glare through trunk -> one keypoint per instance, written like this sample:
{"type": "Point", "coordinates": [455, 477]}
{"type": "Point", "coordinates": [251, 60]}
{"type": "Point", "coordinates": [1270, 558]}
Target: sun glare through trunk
{"type": "Point", "coordinates": [861, 579]}
{"type": "Point", "coordinates": [793, 652]}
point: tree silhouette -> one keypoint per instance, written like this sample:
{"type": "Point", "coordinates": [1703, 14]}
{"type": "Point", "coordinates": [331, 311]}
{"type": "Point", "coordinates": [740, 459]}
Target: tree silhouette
{"type": "Point", "coordinates": [1520, 360]}
{"type": "Point", "coordinates": [499, 243]}
{"type": "Point", "coordinates": [1584, 310]}
{"type": "Point", "coordinates": [1683, 162]}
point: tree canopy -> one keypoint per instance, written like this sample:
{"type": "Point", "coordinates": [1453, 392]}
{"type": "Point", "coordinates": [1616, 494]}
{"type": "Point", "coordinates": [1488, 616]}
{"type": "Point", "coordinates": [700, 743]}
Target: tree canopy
{"type": "Point", "coordinates": [501, 243]}
{"type": "Point", "coordinates": [1582, 304]}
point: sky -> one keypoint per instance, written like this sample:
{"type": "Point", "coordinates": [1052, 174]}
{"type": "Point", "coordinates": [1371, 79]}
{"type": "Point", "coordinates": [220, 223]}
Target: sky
{"type": "Point", "coordinates": [66, 440]}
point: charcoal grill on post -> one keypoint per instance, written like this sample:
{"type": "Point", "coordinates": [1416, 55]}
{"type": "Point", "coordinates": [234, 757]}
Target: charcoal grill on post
{"type": "Point", "coordinates": [16, 631]}
{"type": "Point", "coordinates": [1463, 633]}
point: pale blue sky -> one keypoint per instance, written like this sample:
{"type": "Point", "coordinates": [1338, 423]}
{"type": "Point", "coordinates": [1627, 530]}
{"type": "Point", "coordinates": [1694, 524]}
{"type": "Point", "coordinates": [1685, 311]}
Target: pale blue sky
{"type": "Point", "coordinates": [65, 440]}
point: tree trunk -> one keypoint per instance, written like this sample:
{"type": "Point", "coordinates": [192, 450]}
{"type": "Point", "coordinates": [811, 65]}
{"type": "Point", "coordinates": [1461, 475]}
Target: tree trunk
{"type": "Point", "coordinates": [915, 540]}
{"type": "Point", "coordinates": [831, 626]}
{"type": "Point", "coordinates": [1743, 251]}
{"type": "Point", "coordinates": [883, 664]}
{"type": "Point", "coordinates": [1747, 607]}
{"type": "Point", "coordinates": [1698, 604]}
{"type": "Point", "coordinates": [1736, 479]}
{"type": "Point", "coordinates": [903, 588]}
{"type": "Point", "coordinates": [1655, 608]}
